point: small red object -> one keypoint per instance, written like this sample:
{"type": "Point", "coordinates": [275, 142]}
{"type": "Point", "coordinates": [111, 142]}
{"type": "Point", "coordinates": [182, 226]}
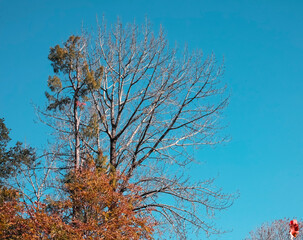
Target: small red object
{"type": "Point", "coordinates": [294, 228]}
{"type": "Point", "coordinates": [79, 104]}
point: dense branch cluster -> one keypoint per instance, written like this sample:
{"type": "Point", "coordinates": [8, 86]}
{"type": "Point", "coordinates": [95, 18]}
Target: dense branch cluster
{"type": "Point", "coordinates": [277, 230]}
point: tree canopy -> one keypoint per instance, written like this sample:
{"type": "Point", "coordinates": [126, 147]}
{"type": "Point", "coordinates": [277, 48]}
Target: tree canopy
{"type": "Point", "coordinates": [126, 111]}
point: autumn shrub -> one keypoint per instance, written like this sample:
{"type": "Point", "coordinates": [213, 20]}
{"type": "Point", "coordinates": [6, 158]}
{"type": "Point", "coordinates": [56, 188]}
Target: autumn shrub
{"type": "Point", "coordinates": [93, 208]}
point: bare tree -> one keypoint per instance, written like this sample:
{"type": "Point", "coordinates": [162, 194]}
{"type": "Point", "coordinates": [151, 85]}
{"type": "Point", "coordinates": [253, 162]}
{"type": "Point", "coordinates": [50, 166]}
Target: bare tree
{"type": "Point", "coordinates": [277, 230]}
{"type": "Point", "coordinates": [34, 181]}
{"type": "Point", "coordinates": [147, 106]}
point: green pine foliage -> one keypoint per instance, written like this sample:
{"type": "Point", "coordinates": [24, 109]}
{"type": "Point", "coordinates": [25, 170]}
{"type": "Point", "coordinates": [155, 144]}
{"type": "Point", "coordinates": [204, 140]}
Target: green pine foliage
{"type": "Point", "coordinates": [65, 59]}
{"type": "Point", "coordinates": [12, 158]}
{"type": "Point", "coordinates": [54, 83]}
{"type": "Point", "coordinates": [101, 161]}
{"type": "Point", "coordinates": [92, 129]}
{"type": "Point", "coordinates": [93, 79]}
{"type": "Point", "coordinates": [73, 74]}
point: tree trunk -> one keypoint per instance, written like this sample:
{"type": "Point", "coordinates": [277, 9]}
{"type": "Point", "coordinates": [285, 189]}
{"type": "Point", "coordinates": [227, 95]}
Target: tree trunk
{"type": "Point", "coordinates": [77, 137]}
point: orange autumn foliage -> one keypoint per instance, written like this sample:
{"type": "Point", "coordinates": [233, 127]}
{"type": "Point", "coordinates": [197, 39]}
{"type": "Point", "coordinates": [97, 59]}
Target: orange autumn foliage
{"type": "Point", "coordinates": [11, 221]}
{"type": "Point", "coordinates": [93, 209]}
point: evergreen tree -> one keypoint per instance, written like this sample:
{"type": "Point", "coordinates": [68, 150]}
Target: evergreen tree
{"type": "Point", "coordinates": [12, 158]}
{"type": "Point", "coordinates": [70, 86]}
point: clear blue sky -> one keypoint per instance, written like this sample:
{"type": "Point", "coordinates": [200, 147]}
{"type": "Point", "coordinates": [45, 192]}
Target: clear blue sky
{"type": "Point", "coordinates": [262, 44]}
